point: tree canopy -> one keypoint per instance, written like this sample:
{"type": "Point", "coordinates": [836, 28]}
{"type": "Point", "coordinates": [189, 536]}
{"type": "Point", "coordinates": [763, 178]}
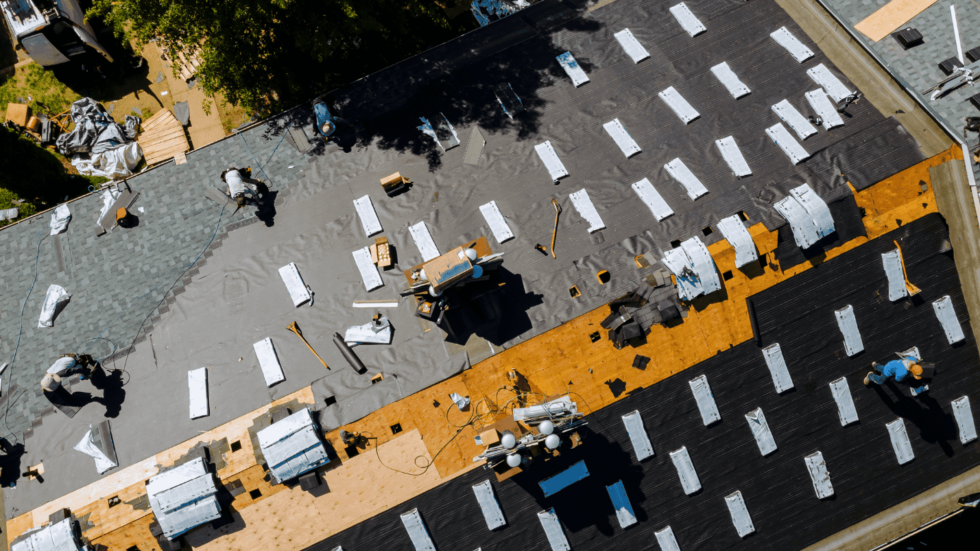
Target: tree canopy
{"type": "Point", "coordinates": [265, 55]}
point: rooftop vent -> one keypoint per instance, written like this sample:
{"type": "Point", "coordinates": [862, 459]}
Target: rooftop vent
{"type": "Point", "coordinates": [908, 37]}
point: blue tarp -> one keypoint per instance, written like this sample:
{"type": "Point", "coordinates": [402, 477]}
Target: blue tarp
{"type": "Point", "coordinates": [564, 479]}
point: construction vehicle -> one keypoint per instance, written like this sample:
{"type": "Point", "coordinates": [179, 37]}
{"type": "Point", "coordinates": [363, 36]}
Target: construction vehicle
{"type": "Point", "coordinates": [52, 32]}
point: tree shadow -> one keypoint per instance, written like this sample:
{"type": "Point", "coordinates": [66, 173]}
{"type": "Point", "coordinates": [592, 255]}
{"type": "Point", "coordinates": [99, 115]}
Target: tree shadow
{"type": "Point", "coordinates": [456, 79]}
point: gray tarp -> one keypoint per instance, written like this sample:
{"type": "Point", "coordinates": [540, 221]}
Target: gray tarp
{"type": "Point", "coordinates": [95, 131]}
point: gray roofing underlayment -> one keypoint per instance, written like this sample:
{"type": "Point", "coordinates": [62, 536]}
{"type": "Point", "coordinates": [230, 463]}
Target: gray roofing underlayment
{"type": "Point", "coordinates": [233, 297]}
{"type": "Point", "coordinates": [778, 491]}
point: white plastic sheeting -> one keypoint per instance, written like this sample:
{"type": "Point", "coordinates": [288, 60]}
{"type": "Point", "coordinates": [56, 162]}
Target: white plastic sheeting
{"type": "Point", "coordinates": [367, 214]}
{"type": "Point", "coordinates": [739, 238]}
{"type": "Point", "coordinates": [197, 386]}
{"type": "Point", "coordinates": [730, 80]}
{"type": "Point", "coordinates": [705, 399]}
{"type": "Point", "coordinates": [777, 367]}
{"type": "Point", "coordinates": [298, 291]}
{"type": "Point", "coordinates": [845, 403]}
{"type": "Point", "coordinates": [760, 431]}
{"type": "Point", "coordinates": [638, 435]}
{"type": "Point", "coordinates": [622, 137]}
{"type": "Point", "coordinates": [679, 105]}
{"type": "Point", "coordinates": [808, 215]}
{"type": "Point", "coordinates": [784, 38]}
{"type": "Point", "coordinates": [60, 218]}
{"type": "Point", "coordinates": [183, 497]}
{"type": "Point", "coordinates": [704, 265]}
{"type": "Point", "coordinates": [572, 69]}
{"type": "Point", "coordinates": [114, 164]}
{"type": "Point", "coordinates": [501, 231]}
{"type": "Point", "coordinates": [553, 530]}
{"type": "Point", "coordinates": [947, 318]}
{"type": "Point", "coordinates": [819, 475]}
{"type": "Point", "coordinates": [679, 171]}
{"type": "Point", "coordinates": [621, 504]}
{"type": "Point", "coordinates": [964, 419]}
{"type": "Point", "coordinates": [292, 446]}
{"type": "Point", "coordinates": [423, 240]}
{"type": "Point", "coordinates": [666, 539]}
{"type": "Point", "coordinates": [826, 110]}
{"type": "Point", "coordinates": [56, 295]}
{"type": "Point", "coordinates": [366, 334]}
{"type": "Point", "coordinates": [740, 514]}
{"type": "Point", "coordinates": [268, 361]}
{"type": "Point", "coordinates": [892, 261]}
{"type": "Point", "coordinates": [489, 505]}
{"type": "Point", "coordinates": [688, 282]}
{"type": "Point", "coordinates": [849, 328]}
{"type": "Point", "coordinates": [900, 441]}
{"type": "Point", "coordinates": [781, 137]}
{"type": "Point", "coordinates": [652, 199]}
{"type": "Point", "coordinates": [88, 447]}
{"type": "Point", "coordinates": [794, 119]}
{"type": "Point", "coordinates": [582, 203]}
{"type": "Point", "coordinates": [367, 269]}
{"type": "Point", "coordinates": [733, 156]}
{"type": "Point", "coordinates": [687, 19]}
{"type": "Point", "coordinates": [53, 537]}
{"type": "Point", "coordinates": [685, 470]}
{"type": "Point", "coordinates": [556, 169]}
{"type": "Point", "coordinates": [631, 45]}
{"type": "Point", "coordinates": [826, 80]}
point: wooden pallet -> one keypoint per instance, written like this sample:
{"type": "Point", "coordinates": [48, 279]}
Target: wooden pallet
{"type": "Point", "coordinates": [187, 64]}
{"type": "Point", "coordinates": [162, 138]}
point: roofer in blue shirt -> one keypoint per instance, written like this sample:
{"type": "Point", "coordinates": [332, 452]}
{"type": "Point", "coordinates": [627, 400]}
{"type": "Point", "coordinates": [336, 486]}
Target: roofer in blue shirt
{"type": "Point", "coordinates": [899, 369]}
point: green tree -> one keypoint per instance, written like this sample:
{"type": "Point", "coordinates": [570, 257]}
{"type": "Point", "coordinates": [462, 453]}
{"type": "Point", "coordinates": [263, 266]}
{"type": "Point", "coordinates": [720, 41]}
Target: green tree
{"type": "Point", "coordinates": [265, 55]}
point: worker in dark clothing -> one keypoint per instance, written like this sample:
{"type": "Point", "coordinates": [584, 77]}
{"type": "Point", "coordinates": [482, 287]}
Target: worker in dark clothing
{"type": "Point", "coordinates": [899, 369]}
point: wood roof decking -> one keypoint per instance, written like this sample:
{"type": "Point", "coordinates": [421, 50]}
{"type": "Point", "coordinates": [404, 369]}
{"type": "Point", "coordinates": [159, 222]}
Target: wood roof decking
{"type": "Point", "coordinates": [162, 138]}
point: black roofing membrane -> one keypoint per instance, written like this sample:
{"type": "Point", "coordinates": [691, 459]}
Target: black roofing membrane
{"type": "Point", "coordinates": [799, 315]}
{"type": "Point", "coordinates": [237, 297]}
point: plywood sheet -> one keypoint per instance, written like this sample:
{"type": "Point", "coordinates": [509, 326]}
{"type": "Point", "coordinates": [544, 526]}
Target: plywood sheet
{"type": "Point", "coordinates": [889, 18]}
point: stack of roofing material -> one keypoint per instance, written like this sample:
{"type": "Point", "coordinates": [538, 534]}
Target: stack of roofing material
{"type": "Point", "coordinates": [292, 447]}
{"type": "Point", "coordinates": [183, 497]}
{"type": "Point", "coordinates": [808, 215]}
{"type": "Point", "coordinates": [694, 269]}
{"type": "Point", "coordinates": [58, 536]}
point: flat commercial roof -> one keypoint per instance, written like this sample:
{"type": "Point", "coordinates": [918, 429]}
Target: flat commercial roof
{"type": "Point", "coordinates": [777, 489]}
{"type": "Point", "coordinates": [233, 296]}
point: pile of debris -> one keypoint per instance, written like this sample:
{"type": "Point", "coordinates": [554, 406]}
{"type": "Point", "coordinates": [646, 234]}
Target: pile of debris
{"type": "Point", "coordinates": [654, 301]}
{"type": "Point", "coordinates": [98, 145]}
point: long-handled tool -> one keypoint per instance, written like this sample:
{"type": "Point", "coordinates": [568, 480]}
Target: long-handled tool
{"type": "Point", "coordinates": [554, 233]}
{"type": "Point", "coordinates": [295, 329]}
{"type": "Point", "coordinates": [912, 289]}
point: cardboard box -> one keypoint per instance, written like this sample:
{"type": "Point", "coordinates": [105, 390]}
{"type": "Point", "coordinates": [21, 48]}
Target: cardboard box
{"type": "Point", "coordinates": [18, 113]}
{"type": "Point", "coordinates": [490, 437]}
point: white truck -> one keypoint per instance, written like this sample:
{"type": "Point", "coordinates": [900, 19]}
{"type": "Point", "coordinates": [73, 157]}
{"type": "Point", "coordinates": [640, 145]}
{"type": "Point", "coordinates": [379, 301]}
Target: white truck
{"type": "Point", "coordinates": [52, 32]}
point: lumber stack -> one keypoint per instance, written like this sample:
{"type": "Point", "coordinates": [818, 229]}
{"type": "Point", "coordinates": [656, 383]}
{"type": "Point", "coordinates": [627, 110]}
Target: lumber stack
{"type": "Point", "coordinates": [162, 138]}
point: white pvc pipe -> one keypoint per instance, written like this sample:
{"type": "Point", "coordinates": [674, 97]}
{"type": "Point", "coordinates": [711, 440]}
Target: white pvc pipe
{"type": "Point", "coordinates": [956, 32]}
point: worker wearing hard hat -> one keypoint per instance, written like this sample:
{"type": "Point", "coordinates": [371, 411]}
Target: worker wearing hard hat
{"type": "Point", "coordinates": [900, 370]}
{"type": "Point", "coordinates": [65, 366]}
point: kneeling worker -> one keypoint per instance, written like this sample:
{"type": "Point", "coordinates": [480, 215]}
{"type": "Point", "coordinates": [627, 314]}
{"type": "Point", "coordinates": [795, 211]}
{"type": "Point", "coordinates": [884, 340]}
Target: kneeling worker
{"type": "Point", "coordinates": [899, 369]}
{"type": "Point", "coordinates": [65, 366]}
{"type": "Point", "coordinates": [241, 188]}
